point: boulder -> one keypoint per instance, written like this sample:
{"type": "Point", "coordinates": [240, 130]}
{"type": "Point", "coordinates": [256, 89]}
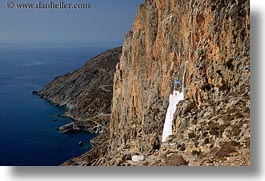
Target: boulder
{"type": "Point", "coordinates": [138, 158]}
{"type": "Point", "coordinates": [174, 159]}
{"type": "Point", "coordinates": [35, 93]}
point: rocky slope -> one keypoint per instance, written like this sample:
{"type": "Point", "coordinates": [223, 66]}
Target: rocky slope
{"type": "Point", "coordinates": [87, 93]}
{"type": "Point", "coordinates": [212, 124]}
{"type": "Point", "coordinates": [210, 41]}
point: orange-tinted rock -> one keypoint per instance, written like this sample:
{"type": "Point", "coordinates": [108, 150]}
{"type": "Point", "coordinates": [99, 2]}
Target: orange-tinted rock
{"type": "Point", "coordinates": [213, 37]}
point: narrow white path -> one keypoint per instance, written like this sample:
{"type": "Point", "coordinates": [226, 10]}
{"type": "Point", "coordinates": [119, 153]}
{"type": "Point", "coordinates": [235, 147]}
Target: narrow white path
{"type": "Point", "coordinates": [173, 102]}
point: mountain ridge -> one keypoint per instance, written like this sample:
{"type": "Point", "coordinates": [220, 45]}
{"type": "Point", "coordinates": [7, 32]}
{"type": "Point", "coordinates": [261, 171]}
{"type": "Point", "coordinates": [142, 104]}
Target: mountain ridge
{"type": "Point", "coordinates": [87, 92]}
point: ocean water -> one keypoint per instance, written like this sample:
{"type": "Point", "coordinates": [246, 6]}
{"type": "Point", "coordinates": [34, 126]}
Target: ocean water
{"type": "Point", "coordinates": [28, 135]}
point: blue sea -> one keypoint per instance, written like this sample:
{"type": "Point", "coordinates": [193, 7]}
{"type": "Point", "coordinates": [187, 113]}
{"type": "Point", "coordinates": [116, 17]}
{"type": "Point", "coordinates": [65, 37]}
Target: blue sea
{"type": "Point", "coordinates": [28, 135]}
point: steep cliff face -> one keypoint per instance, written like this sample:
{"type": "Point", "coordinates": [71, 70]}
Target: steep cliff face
{"type": "Point", "coordinates": [212, 38]}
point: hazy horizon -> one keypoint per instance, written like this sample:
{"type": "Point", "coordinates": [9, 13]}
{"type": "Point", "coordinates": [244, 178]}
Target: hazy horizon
{"type": "Point", "coordinates": [105, 22]}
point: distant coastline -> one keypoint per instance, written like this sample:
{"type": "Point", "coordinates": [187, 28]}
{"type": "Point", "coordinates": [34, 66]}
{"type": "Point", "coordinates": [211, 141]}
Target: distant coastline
{"type": "Point", "coordinates": [87, 92]}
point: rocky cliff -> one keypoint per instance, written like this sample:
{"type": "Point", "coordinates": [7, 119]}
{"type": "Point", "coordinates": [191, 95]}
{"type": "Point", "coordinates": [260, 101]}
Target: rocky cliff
{"type": "Point", "coordinates": [212, 125]}
{"type": "Point", "coordinates": [87, 92]}
{"type": "Point", "coordinates": [203, 44]}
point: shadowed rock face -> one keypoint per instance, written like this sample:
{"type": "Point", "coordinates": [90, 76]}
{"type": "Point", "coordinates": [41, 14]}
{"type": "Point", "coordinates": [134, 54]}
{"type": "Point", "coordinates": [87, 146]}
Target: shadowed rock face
{"type": "Point", "coordinates": [87, 92]}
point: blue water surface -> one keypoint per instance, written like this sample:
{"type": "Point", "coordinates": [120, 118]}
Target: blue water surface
{"type": "Point", "coordinates": [28, 135]}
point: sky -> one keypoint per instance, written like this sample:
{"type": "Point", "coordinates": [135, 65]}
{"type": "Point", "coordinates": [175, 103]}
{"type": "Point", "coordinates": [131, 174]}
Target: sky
{"type": "Point", "coordinates": [105, 21]}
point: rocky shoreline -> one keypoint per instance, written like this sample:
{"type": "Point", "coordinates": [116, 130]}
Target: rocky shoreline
{"type": "Point", "coordinates": [87, 94]}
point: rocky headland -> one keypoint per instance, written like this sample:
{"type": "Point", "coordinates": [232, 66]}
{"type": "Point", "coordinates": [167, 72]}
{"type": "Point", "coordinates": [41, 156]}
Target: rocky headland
{"type": "Point", "coordinates": [87, 94]}
{"type": "Point", "coordinates": [203, 44]}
